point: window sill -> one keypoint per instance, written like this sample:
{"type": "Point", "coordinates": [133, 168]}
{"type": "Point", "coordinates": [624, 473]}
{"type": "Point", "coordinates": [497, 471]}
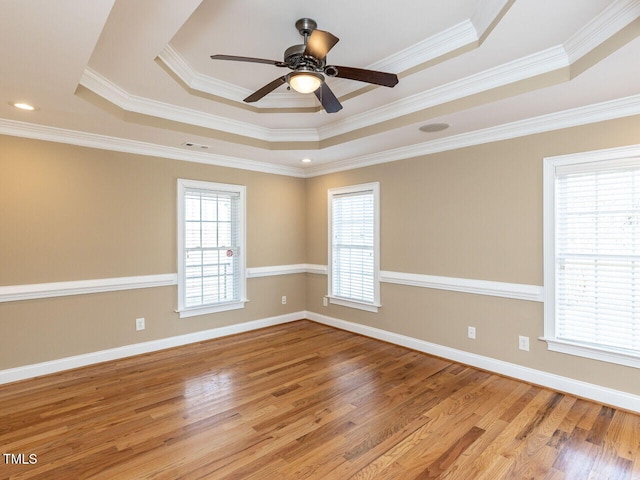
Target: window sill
{"type": "Point", "coordinates": [207, 309]}
{"type": "Point", "coordinates": [618, 356]}
{"type": "Point", "coordinates": [369, 307]}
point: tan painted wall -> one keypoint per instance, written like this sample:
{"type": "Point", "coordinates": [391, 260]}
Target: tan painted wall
{"type": "Point", "coordinates": [470, 213]}
{"type": "Point", "coordinates": [71, 213]}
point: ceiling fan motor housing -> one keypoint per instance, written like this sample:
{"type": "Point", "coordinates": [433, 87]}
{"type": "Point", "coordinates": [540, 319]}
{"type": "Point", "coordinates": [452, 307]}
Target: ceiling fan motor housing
{"type": "Point", "coordinates": [294, 57]}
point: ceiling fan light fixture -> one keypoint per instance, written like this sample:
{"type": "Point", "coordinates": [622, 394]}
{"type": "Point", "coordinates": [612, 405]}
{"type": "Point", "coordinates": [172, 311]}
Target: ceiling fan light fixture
{"type": "Point", "coordinates": [305, 82]}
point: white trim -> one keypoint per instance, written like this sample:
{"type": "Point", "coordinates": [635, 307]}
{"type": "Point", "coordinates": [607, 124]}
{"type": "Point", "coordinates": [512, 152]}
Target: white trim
{"type": "Point", "coordinates": [207, 309]}
{"type": "Point", "coordinates": [317, 269]}
{"type": "Point", "coordinates": [608, 110]}
{"type": "Point", "coordinates": [343, 302]}
{"type": "Point", "coordinates": [602, 27]}
{"type": "Point", "coordinates": [560, 383]}
{"type": "Point", "coordinates": [204, 83]}
{"type": "Point", "coordinates": [597, 393]}
{"type": "Point", "coordinates": [518, 291]}
{"type": "Point", "coordinates": [481, 287]}
{"type": "Point", "coordinates": [93, 140]}
{"type": "Point", "coordinates": [486, 14]}
{"type": "Point", "coordinates": [620, 153]}
{"type": "Point", "coordinates": [599, 112]}
{"type": "Point", "coordinates": [439, 44]}
{"type": "Point", "coordinates": [592, 352]}
{"type": "Point", "coordinates": [13, 293]}
{"type": "Point", "coordinates": [241, 190]}
{"type": "Point", "coordinates": [552, 59]}
{"type": "Point", "coordinates": [469, 31]}
{"type": "Point", "coordinates": [374, 188]}
{"type": "Point", "coordinates": [269, 271]}
{"type": "Point", "coordinates": [111, 92]}
{"type": "Point", "coordinates": [613, 156]}
{"type": "Point", "coordinates": [548, 246]}
{"type": "Point", "coordinates": [546, 61]}
{"type": "Point", "coordinates": [76, 361]}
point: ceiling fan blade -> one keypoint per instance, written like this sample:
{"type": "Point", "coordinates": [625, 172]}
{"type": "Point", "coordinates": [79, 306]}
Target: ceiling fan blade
{"type": "Point", "coordinates": [319, 44]}
{"type": "Point", "coordinates": [328, 100]}
{"type": "Point", "coordinates": [235, 58]}
{"type": "Point", "coordinates": [368, 76]}
{"type": "Point", "coordinates": [268, 88]}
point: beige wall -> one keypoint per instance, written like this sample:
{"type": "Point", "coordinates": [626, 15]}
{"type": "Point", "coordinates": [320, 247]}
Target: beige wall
{"type": "Point", "coordinates": [72, 213]}
{"type": "Point", "coordinates": [472, 213]}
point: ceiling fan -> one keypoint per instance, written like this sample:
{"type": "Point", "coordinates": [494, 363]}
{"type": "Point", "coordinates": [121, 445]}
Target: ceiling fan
{"type": "Point", "coordinates": [309, 62]}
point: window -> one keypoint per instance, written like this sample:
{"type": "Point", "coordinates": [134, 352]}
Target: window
{"type": "Point", "coordinates": [592, 257]}
{"type": "Point", "coordinates": [211, 247]}
{"type": "Point", "coordinates": [354, 258]}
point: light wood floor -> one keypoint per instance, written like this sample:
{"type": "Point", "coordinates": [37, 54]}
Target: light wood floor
{"type": "Point", "coordinates": [303, 400]}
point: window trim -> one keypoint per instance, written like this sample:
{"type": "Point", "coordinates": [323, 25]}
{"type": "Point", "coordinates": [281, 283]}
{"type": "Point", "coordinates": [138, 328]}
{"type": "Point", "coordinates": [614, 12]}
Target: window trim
{"type": "Point", "coordinates": [183, 185]}
{"type": "Point", "coordinates": [614, 156]}
{"type": "Point", "coordinates": [374, 187]}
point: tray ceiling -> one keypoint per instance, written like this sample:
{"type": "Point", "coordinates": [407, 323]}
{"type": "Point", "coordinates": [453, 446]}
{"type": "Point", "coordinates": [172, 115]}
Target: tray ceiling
{"type": "Point", "coordinates": [136, 76]}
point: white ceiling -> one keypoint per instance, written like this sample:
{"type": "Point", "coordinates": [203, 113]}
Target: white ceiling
{"type": "Point", "coordinates": [136, 75]}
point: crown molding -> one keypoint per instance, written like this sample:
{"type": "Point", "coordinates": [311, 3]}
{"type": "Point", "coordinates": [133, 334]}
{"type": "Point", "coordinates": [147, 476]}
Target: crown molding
{"type": "Point", "coordinates": [610, 21]}
{"type": "Point", "coordinates": [463, 34]}
{"type": "Point", "coordinates": [602, 27]}
{"type": "Point", "coordinates": [486, 15]}
{"type": "Point", "coordinates": [73, 137]}
{"type": "Point", "coordinates": [530, 66]}
{"type": "Point", "coordinates": [213, 86]}
{"type": "Point", "coordinates": [449, 40]}
{"type": "Point", "coordinates": [607, 23]}
{"type": "Point", "coordinates": [108, 90]}
{"type": "Point", "coordinates": [442, 43]}
{"type": "Point", "coordinates": [603, 111]}
{"type": "Point", "coordinates": [527, 67]}
{"type": "Point", "coordinates": [610, 110]}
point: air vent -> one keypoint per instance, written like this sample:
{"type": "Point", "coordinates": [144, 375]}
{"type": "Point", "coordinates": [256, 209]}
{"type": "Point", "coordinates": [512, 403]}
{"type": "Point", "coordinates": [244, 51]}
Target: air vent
{"type": "Point", "coordinates": [195, 146]}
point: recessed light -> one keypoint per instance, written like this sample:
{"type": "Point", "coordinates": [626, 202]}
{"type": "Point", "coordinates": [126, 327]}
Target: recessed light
{"type": "Point", "coordinates": [434, 127]}
{"type": "Point", "coordinates": [23, 106]}
{"type": "Point", "coordinates": [306, 160]}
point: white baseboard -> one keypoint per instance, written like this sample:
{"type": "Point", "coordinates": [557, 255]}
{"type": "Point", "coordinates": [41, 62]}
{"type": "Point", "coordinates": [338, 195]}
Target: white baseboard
{"type": "Point", "coordinates": [68, 363]}
{"type": "Point", "coordinates": [571, 386]}
{"type": "Point", "coordinates": [590, 391]}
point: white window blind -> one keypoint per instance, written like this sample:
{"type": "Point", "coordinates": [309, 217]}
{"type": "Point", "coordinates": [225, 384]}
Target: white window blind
{"type": "Point", "coordinates": [597, 255]}
{"type": "Point", "coordinates": [354, 245]}
{"type": "Point", "coordinates": [211, 247]}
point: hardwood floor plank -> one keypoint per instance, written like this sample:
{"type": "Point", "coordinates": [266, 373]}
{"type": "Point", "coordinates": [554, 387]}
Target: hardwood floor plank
{"type": "Point", "coordinates": [305, 401]}
{"type": "Point", "coordinates": [444, 461]}
{"type": "Point", "coordinates": [601, 426]}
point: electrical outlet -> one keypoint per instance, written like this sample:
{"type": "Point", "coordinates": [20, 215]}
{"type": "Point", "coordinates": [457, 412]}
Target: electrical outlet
{"type": "Point", "coordinates": [523, 343]}
{"type": "Point", "coordinates": [139, 324]}
{"type": "Point", "coordinates": [325, 301]}
{"type": "Point", "coordinates": [471, 332]}
{"type": "Point", "coordinates": [284, 299]}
